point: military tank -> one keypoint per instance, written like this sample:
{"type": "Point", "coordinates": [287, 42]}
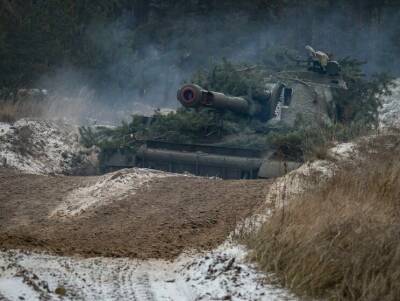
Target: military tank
{"type": "Point", "coordinates": [287, 95]}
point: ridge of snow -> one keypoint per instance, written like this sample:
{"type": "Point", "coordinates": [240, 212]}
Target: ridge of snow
{"type": "Point", "coordinates": [109, 187]}
{"type": "Point", "coordinates": [310, 174]}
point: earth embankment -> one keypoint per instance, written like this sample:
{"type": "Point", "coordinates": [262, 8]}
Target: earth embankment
{"type": "Point", "coordinates": [158, 219]}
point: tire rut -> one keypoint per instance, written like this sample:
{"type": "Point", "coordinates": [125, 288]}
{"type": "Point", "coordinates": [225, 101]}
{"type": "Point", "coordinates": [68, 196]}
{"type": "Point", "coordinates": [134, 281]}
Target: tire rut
{"type": "Point", "coordinates": [141, 284]}
{"type": "Point", "coordinates": [125, 287]}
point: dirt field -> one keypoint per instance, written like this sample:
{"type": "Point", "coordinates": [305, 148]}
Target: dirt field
{"type": "Point", "coordinates": [160, 220]}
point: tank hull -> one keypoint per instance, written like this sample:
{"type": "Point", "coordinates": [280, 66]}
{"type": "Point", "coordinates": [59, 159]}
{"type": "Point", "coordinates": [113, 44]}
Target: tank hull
{"type": "Point", "coordinates": [201, 160]}
{"type": "Point", "coordinates": [199, 163]}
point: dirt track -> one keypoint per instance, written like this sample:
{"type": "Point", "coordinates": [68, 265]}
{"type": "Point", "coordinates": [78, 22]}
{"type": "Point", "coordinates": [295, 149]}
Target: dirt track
{"type": "Point", "coordinates": [159, 221]}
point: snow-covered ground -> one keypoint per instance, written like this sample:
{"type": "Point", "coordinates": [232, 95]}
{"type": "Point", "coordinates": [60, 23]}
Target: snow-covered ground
{"type": "Point", "coordinates": [41, 147]}
{"type": "Point", "coordinates": [112, 186]}
{"type": "Point", "coordinates": [389, 114]}
{"type": "Point", "coordinates": [222, 274]}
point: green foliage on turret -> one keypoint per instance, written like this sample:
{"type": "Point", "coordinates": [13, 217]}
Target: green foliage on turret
{"type": "Point", "coordinates": [183, 126]}
{"type": "Point", "coordinates": [232, 79]}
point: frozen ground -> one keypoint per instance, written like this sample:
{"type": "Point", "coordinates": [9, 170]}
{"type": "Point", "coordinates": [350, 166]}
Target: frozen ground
{"type": "Point", "coordinates": [221, 274]}
{"type": "Point", "coordinates": [41, 147]}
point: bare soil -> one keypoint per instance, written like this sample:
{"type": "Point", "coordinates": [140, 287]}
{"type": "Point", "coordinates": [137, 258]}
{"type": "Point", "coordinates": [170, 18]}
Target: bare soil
{"type": "Point", "coordinates": [159, 221]}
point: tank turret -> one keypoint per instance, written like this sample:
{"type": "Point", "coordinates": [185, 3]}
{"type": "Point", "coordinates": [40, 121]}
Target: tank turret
{"type": "Point", "coordinates": [291, 94]}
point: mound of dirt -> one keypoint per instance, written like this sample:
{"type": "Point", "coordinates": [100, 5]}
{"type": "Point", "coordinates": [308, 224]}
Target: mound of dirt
{"type": "Point", "coordinates": [156, 220]}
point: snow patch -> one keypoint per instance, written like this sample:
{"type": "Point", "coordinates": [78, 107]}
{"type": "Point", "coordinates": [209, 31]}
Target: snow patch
{"type": "Point", "coordinates": [221, 274]}
{"type": "Point", "coordinates": [283, 190]}
{"type": "Point", "coordinates": [39, 146]}
{"type": "Point", "coordinates": [389, 113]}
{"type": "Point", "coordinates": [108, 188]}
{"type": "Point", "coordinates": [286, 188]}
{"type": "Point", "coordinates": [297, 181]}
{"type": "Point", "coordinates": [310, 174]}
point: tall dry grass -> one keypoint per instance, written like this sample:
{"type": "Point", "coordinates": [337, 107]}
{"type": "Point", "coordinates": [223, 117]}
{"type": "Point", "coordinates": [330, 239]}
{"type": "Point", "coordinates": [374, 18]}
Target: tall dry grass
{"type": "Point", "coordinates": [341, 241]}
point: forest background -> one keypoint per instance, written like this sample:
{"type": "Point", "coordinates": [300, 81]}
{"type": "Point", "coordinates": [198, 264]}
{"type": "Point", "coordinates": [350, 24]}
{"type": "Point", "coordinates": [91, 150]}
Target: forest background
{"type": "Point", "coordinates": [144, 49]}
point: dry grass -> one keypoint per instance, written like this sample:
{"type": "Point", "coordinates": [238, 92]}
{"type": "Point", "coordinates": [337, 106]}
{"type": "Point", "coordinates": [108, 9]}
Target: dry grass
{"type": "Point", "coordinates": [11, 111]}
{"type": "Point", "coordinates": [341, 241]}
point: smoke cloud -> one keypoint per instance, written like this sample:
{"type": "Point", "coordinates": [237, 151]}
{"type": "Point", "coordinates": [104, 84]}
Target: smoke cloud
{"type": "Point", "coordinates": [138, 72]}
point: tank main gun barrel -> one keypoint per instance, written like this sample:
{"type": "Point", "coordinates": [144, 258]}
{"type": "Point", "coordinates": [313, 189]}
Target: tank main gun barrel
{"type": "Point", "coordinates": [194, 96]}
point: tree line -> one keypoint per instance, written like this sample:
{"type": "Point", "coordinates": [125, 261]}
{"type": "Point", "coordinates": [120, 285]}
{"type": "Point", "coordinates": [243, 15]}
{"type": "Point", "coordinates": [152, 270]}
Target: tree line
{"type": "Point", "coordinates": [108, 40]}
